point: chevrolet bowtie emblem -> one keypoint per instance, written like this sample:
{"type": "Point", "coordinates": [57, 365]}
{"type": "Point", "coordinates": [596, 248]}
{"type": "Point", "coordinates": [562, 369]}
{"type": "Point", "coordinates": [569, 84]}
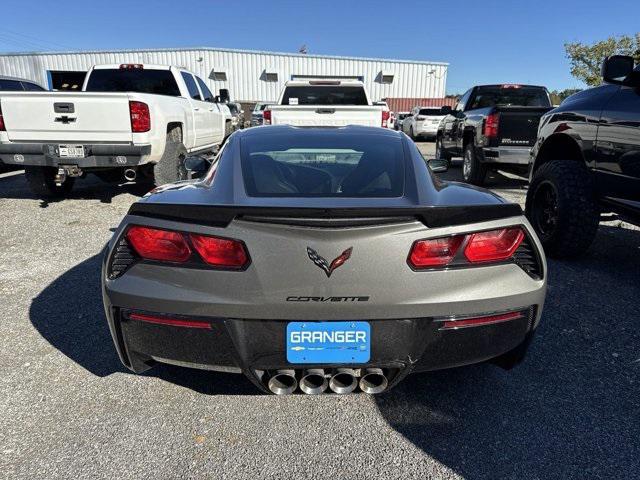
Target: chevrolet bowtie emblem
{"type": "Point", "coordinates": [65, 119]}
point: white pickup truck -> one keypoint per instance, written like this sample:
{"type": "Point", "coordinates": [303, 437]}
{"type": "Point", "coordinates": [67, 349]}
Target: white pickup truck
{"type": "Point", "coordinates": [325, 103]}
{"type": "Point", "coordinates": [129, 120]}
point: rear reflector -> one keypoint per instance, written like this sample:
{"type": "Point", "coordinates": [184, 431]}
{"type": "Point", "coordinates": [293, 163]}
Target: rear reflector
{"type": "Point", "coordinates": [385, 118]}
{"type": "Point", "coordinates": [140, 117]}
{"type": "Point", "coordinates": [491, 125]}
{"type": "Point", "coordinates": [173, 322]}
{"type": "Point", "coordinates": [160, 245]}
{"type": "Point", "coordinates": [435, 252]}
{"type": "Point", "coordinates": [452, 324]}
{"type": "Point", "coordinates": [220, 252]}
{"type": "Point", "coordinates": [266, 117]}
{"type": "Point", "coordinates": [494, 245]}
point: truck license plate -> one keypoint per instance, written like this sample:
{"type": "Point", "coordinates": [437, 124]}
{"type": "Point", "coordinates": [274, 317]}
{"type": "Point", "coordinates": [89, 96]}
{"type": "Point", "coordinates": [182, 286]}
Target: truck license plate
{"type": "Point", "coordinates": [328, 342]}
{"type": "Point", "coordinates": [71, 151]}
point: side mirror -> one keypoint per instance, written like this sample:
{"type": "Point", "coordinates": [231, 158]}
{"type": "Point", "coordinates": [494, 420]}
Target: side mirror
{"type": "Point", "coordinates": [616, 68]}
{"type": "Point", "coordinates": [438, 165]}
{"type": "Point", "coordinates": [446, 110]}
{"type": "Point", "coordinates": [196, 167]}
{"type": "Point", "coordinates": [224, 95]}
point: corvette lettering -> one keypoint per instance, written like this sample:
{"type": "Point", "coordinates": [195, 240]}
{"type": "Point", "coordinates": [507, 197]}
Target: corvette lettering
{"type": "Point", "coordinates": [328, 299]}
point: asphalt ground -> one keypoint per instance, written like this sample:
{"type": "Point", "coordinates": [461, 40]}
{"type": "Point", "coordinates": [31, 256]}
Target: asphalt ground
{"type": "Point", "coordinates": [68, 409]}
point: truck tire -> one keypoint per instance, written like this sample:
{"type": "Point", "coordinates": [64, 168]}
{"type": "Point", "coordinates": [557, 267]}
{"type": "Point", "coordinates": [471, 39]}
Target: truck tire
{"type": "Point", "coordinates": [170, 168]}
{"type": "Point", "coordinates": [562, 207]}
{"type": "Point", "coordinates": [41, 181]}
{"type": "Point", "coordinates": [411, 134]}
{"type": "Point", "coordinates": [441, 152]}
{"type": "Point", "coordinates": [473, 170]}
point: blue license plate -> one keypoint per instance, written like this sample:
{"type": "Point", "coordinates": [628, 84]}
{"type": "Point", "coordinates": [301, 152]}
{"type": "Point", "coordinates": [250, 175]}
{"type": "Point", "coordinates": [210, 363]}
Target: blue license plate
{"type": "Point", "coordinates": [328, 342]}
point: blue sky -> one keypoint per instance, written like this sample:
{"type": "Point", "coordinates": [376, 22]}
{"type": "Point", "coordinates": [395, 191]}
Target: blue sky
{"type": "Point", "coordinates": [484, 41]}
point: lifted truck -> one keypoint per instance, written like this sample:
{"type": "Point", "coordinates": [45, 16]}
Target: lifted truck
{"type": "Point", "coordinates": [492, 127]}
{"type": "Point", "coordinates": [587, 162]}
{"type": "Point", "coordinates": [129, 119]}
{"type": "Point", "coordinates": [326, 103]}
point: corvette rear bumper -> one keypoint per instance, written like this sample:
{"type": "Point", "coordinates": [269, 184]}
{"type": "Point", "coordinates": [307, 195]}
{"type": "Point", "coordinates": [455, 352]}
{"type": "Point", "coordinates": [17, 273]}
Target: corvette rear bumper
{"type": "Point", "coordinates": [256, 347]}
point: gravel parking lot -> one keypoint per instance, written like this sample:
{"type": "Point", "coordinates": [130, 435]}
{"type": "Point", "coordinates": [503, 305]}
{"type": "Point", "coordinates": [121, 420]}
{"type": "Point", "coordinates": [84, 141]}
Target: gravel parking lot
{"type": "Point", "coordinates": [68, 409]}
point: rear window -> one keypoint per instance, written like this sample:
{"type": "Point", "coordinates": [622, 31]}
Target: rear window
{"type": "Point", "coordinates": [159, 82]}
{"type": "Point", "coordinates": [322, 165]}
{"type": "Point", "coordinates": [510, 96]}
{"type": "Point", "coordinates": [10, 85]}
{"type": "Point", "coordinates": [32, 87]}
{"type": "Point", "coordinates": [429, 111]}
{"type": "Point", "coordinates": [324, 95]}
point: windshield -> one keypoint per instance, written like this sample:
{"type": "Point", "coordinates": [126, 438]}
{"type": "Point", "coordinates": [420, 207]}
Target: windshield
{"type": "Point", "coordinates": [510, 95]}
{"type": "Point", "coordinates": [429, 111]}
{"type": "Point", "coordinates": [160, 82]}
{"type": "Point", "coordinates": [322, 165]}
{"type": "Point", "coordinates": [324, 95]}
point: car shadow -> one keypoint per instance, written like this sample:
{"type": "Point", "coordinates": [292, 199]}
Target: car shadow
{"type": "Point", "coordinates": [493, 180]}
{"type": "Point", "coordinates": [571, 409]}
{"type": "Point", "coordinates": [14, 185]}
{"type": "Point", "coordinates": [69, 314]}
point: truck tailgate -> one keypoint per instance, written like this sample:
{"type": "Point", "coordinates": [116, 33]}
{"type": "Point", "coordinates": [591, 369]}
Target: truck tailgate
{"type": "Point", "coordinates": [326, 116]}
{"type": "Point", "coordinates": [66, 117]}
{"type": "Point", "coordinates": [519, 125]}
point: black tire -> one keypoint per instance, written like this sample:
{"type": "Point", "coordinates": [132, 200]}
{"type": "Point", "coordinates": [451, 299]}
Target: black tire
{"type": "Point", "coordinates": [473, 170]}
{"type": "Point", "coordinates": [170, 168]}
{"type": "Point", "coordinates": [562, 208]}
{"type": "Point", "coordinates": [411, 134]}
{"type": "Point", "coordinates": [440, 151]}
{"type": "Point", "coordinates": [41, 181]}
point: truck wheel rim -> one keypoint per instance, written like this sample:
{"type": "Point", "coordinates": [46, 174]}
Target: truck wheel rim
{"type": "Point", "coordinates": [466, 167]}
{"type": "Point", "coordinates": [545, 209]}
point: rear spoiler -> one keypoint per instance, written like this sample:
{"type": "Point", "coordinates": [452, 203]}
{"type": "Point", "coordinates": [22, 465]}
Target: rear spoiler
{"type": "Point", "coordinates": [329, 217]}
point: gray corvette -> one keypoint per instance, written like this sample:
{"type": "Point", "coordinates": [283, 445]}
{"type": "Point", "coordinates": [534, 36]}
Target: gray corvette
{"type": "Point", "coordinates": [322, 259]}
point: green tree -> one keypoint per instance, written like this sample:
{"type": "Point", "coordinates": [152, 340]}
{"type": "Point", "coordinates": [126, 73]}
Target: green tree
{"type": "Point", "coordinates": [586, 60]}
{"type": "Point", "coordinates": [557, 96]}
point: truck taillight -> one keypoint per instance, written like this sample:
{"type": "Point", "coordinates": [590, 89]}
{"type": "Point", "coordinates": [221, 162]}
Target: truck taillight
{"type": "Point", "coordinates": [131, 66]}
{"type": "Point", "coordinates": [491, 125]}
{"type": "Point", "coordinates": [3, 127]}
{"type": "Point", "coordinates": [140, 117]}
{"type": "Point", "coordinates": [266, 117]}
{"type": "Point", "coordinates": [385, 118]}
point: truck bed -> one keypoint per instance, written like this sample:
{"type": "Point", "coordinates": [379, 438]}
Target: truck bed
{"type": "Point", "coordinates": [326, 115]}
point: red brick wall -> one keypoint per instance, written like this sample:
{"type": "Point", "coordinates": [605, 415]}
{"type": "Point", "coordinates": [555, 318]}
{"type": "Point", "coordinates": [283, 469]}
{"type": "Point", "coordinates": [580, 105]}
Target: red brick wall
{"type": "Point", "coordinates": [406, 104]}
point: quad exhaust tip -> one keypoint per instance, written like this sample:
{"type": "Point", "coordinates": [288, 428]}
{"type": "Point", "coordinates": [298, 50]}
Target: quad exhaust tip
{"type": "Point", "coordinates": [373, 381]}
{"type": "Point", "coordinates": [313, 381]}
{"type": "Point", "coordinates": [283, 382]}
{"type": "Point", "coordinates": [343, 381]}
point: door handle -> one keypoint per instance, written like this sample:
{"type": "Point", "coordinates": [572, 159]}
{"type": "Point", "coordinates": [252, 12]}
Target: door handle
{"type": "Point", "coordinates": [196, 109]}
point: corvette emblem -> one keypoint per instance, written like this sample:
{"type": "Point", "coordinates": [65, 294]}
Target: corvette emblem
{"type": "Point", "coordinates": [322, 263]}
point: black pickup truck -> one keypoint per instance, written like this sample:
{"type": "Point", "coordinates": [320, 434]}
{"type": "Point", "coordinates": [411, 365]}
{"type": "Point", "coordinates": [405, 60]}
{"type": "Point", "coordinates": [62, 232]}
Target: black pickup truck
{"type": "Point", "coordinates": [491, 127]}
{"type": "Point", "coordinates": [587, 161]}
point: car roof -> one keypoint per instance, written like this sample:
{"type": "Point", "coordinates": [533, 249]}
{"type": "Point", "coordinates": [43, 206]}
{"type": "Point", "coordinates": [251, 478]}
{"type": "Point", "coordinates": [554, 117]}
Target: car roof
{"type": "Point", "coordinates": [17, 79]}
{"type": "Point", "coordinates": [348, 130]}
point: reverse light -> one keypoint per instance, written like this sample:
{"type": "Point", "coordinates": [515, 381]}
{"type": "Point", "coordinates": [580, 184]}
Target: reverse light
{"type": "Point", "coordinates": [491, 125]}
{"type": "Point", "coordinates": [477, 321]}
{"type": "Point", "coordinates": [140, 117]}
{"type": "Point", "coordinates": [220, 252]}
{"type": "Point", "coordinates": [385, 118]}
{"type": "Point", "coordinates": [435, 252]}
{"type": "Point", "coordinates": [266, 117]}
{"type": "Point", "coordinates": [161, 245]}
{"type": "Point", "coordinates": [494, 245]}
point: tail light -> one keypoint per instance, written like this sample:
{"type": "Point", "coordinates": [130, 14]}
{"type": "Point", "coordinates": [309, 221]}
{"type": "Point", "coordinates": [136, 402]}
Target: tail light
{"type": "Point", "coordinates": [220, 252]}
{"type": "Point", "coordinates": [3, 127]}
{"type": "Point", "coordinates": [140, 117]}
{"type": "Point", "coordinates": [491, 124]}
{"type": "Point", "coordinates": [385, 118]}
{"type": "Point", "coordinates": [494, 245]}
{"type": "Point", "coordinates": [171, 321]}
{"type": "Point", "coordinates": [131, 66]}
{"type": "Point", "coordinates": [177, 247]}
{"type": "Point", "coordinates": [266, 117]}
{"type": "Point", "coordinates": [481, 247]}
{"type": "Point", "coordinates": [436, 252]}
{"type": "Point", "coordinates": [160, 245]}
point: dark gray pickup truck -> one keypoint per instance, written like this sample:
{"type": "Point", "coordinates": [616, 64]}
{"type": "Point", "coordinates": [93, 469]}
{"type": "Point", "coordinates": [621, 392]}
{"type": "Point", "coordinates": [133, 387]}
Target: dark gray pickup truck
{"type": "Point", "coordinates": [492, 127]}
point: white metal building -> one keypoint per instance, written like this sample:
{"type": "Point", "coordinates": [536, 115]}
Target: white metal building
{"type": "Point", "coordinates": [248, 75]}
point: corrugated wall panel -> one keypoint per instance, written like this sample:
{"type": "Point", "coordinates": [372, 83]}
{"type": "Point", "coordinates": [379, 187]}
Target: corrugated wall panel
{"type": "Point", "coordinates": [245, 70]}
